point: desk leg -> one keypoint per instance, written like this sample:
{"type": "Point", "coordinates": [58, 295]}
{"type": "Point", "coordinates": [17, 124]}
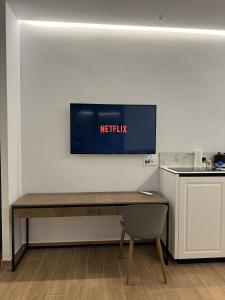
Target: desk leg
{"type": "Point", "coordinates": [14, 262]}
{"type": "Point", "coordinates": [167, 236]}
{"type": "Point", "coordinates": [27, 232]}
{"type": "Point", "coordinates": [13, 239]}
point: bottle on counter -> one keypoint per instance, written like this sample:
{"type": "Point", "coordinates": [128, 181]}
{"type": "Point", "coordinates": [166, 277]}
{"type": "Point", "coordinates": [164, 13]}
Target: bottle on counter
{"type": "Point", "coordinates": [209, 164]}
{"type": "Point", "coordinates": [204, 164]}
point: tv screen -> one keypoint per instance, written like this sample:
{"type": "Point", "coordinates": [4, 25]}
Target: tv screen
{"type": "Point", "coordinates": [112, 128]}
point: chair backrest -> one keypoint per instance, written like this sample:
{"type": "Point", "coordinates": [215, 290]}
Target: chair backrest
{"type": "Point", "coordinates": [144, 221]}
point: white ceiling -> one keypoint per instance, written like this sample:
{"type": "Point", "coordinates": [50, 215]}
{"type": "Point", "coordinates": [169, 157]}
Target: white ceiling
{"type": "Point", "coordinates": [208, 14]}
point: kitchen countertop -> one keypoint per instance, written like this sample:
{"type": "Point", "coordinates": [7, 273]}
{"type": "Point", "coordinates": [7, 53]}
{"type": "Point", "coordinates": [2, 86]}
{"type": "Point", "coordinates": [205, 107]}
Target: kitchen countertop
{"type": "Point", "coordinates": [189, 171]}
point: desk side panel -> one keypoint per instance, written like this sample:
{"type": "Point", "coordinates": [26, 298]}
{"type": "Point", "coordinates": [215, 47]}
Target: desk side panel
{"type": "Point", "coordinates": [169, 188]}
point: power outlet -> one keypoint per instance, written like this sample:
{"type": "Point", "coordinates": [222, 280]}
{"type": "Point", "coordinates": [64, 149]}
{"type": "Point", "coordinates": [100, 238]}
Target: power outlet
{"type": "Point", "coordinates": [151, 160]}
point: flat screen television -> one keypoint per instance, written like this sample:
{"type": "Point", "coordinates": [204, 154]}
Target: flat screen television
{"type": "Point", "coordinates": [112, 128]}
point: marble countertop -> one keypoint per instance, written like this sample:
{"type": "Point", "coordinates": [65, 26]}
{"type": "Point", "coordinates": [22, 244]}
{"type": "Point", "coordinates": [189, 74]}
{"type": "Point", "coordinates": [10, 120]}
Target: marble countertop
{"type": "Point", "coordinates": [190, 170]}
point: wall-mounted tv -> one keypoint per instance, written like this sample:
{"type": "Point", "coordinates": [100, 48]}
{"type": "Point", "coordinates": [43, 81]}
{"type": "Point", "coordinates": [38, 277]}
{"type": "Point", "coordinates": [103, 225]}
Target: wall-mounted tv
{"type": "Point", "coordinates": [112, 128]}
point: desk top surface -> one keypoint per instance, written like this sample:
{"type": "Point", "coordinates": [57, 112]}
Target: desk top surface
{"type": "Point", "coordinates": [87, 199]}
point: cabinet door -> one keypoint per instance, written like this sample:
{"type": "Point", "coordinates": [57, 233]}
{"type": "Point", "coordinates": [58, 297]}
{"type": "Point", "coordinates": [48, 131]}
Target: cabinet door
{"type": "Point", "coordinates": [201, 217]}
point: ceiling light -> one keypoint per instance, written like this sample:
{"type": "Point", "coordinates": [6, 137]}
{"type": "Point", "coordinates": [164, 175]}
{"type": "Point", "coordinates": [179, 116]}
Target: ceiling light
{"type": "Point", "coordinates": [125, 27]}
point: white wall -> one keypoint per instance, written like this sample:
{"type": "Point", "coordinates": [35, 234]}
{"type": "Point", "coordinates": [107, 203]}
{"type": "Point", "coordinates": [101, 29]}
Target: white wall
{"type": "Point", "coordinates": [3, 128]}
{"type": "Point", "coordinates": [182, 74]}
{"type": "Point", "coordinates": [11, 132]}
{"type": "Point", "coordinates": [13, 99]}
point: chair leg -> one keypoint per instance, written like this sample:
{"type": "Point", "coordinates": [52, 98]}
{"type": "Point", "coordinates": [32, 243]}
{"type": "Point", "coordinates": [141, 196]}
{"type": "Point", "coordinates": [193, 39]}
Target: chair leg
{"type": "Point", "coordinates": [161, 259]}
{"type": "Point", "coordinates": [130, 257]}
{"type": "Point", "coordinates": [121, 242]}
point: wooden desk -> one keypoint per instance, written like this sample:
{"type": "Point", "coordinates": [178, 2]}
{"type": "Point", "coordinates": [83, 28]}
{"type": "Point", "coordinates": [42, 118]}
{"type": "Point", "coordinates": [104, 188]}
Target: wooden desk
{"type": "Point", "coordinates": [75, 204]}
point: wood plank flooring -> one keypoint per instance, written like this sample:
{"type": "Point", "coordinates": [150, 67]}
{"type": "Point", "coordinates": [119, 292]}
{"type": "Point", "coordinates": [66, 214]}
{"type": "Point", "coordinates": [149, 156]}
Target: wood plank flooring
{"type": "Point", "coordinates": [95, 273]}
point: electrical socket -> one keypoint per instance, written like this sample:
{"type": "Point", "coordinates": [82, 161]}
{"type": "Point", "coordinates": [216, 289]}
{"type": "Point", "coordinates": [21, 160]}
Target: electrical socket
{"type": "Point", "coordinates": [151, 160]}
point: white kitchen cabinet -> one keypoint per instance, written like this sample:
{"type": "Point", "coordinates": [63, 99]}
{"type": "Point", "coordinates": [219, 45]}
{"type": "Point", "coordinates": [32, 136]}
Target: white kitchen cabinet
{"type": "Point", "coordinates": [201, 217]}
{"type": "Point", "coordinates": [197, 214]}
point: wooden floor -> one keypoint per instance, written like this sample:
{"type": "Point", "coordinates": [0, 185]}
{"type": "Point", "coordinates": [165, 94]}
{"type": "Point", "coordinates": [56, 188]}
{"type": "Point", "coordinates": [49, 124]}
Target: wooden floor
{"type": "Point", "coordinates": [95, 273]}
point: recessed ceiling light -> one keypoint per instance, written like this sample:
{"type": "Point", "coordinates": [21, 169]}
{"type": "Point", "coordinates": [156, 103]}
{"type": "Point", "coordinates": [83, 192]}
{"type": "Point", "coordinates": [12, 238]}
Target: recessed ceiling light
{"type": "Point", "coordinates": [125, 27]}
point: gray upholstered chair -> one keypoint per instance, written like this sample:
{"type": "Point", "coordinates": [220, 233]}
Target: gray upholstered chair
{"type": "Point", "coordinates": [143, 221]}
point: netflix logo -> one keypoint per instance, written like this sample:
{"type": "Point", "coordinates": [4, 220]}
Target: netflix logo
{"type": "Point", "coordinates": [113, 129]}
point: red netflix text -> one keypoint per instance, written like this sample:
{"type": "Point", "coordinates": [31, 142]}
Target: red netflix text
{"type": "Point", "coordinates": [113, 129]}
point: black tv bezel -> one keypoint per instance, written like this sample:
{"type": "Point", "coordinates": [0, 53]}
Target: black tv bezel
{"type": "Point", "coordinates": [113, 153]}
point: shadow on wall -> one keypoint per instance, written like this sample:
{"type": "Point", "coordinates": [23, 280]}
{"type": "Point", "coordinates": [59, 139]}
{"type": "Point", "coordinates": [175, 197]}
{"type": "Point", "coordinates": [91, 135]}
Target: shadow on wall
{"type": "Point", "coordinates": [152, 183]}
